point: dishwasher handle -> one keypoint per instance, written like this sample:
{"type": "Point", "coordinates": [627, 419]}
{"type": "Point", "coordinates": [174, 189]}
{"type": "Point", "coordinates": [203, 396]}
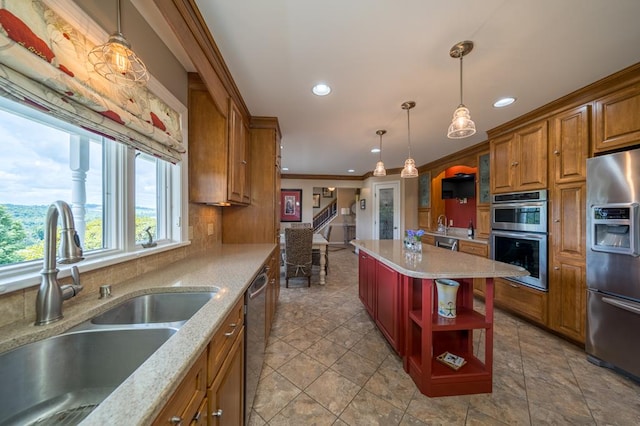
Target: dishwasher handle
{"type": "Point", "coordinates": [258, 286]}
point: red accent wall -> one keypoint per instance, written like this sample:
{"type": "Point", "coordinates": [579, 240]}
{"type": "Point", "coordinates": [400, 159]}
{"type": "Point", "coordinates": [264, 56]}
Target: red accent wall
{"type": "Point", "coordinates": [461, 214]}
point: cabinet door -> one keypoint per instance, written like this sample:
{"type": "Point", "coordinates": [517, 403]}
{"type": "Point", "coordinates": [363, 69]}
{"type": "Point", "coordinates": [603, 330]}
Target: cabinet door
{"type": "Point", "coordinates": [570, 145]}
{"type": "Point", "coordinates": [568, 221]}
{"type": "Point", "coordinates": [388, 304]}
{"type": "Point", "coordinates": [226, 394]}
{"type": "Point", "coordinates": [617, 119]}
{"type": "Point", "coordinates": [238, 152]}
{"type": "Point", "coordinates": [501, 163]}
{"type": "Point", "coordinates": [483, 221]}
{"type": "Point", "coordinates": [530, 163]}
{"type": "Point", "coordinates": [366, 282]}
{"type": "Point", "coordinates": [521, 299]}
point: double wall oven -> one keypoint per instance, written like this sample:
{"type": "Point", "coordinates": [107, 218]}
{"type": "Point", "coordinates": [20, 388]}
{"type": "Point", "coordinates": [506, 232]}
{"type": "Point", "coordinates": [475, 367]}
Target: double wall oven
{"type": "Point", "coordinates": [519, 234]}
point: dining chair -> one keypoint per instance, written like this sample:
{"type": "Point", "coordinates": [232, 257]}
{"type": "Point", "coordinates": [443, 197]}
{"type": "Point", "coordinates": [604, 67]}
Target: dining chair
{"type": "Point", "coordinates": [298, 243]}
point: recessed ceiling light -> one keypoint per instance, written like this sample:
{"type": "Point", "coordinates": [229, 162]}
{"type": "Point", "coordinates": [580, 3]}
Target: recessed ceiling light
{"type": "Point", "coordinates": [321, 89]}
{"type": "Point", "coordinates": [375, 150]}
{"type": "Point", "coordinates": [351, 171]}
{"type": "Point", "coordinates": [285, 169]}
{"type": "Point", "coordinates": [500, 103]}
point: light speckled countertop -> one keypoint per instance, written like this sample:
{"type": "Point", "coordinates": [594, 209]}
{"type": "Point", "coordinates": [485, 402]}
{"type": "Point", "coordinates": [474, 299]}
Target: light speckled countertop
{"type": "Point", "coordinates": [230, 268]}
{"type": "Point", "coordinates": [435, 262]}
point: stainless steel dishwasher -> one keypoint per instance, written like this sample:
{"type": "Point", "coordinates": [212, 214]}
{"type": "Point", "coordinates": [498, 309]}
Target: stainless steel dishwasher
{"type": "Point", "coordinates": [255, 301]}
{"type": "Point", "coordinates": [447, 243]}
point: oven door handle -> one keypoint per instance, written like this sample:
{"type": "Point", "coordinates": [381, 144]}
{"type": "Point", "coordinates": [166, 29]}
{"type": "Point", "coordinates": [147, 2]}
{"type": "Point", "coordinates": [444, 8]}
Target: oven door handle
{"type": "Point", "coordinates": [520, 235]}
{"type": "Point", "coordinates": [519, 205]}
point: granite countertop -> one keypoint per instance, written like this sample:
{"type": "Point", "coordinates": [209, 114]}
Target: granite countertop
{"type": "Point", "coordinates": [435, 262]}
{"type": "Point", "coordinates": [228, 268]}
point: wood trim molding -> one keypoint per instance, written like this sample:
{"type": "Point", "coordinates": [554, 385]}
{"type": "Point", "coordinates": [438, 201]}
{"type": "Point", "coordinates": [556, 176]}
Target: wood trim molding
{"type": "Point", "coordinates": [266, 123]}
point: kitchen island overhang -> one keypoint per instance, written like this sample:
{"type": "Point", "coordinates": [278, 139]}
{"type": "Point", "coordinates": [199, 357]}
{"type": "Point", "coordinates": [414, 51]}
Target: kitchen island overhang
{"type": "Point", "coordinates": [397, 287]}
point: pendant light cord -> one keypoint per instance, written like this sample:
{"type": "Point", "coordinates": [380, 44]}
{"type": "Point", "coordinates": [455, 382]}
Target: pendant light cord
{"type": "Point", "coordinates": [380, 156]}
{"type": "Point", "coordinates": [461, 78]}
{"type": "Point", "coordinates": [409, 131]}
{"type": "Point", "coordinates": [118, 22]}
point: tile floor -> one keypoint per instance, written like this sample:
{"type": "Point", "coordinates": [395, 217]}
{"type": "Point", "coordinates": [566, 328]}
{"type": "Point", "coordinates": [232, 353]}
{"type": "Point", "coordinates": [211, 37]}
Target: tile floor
{"type": "Point", "coordinates": [326, 364]}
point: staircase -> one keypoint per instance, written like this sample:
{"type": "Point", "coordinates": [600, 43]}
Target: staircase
{"type": "Point", "coordinates": [325, 215]}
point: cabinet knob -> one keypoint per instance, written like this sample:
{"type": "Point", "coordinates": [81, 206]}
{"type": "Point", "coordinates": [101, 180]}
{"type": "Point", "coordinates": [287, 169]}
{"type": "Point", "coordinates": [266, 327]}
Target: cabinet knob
{"type": "Point", "coordinates": [217, 413]}
{"type": "Point", "coordinates": [556, 152]}
{"type": "Point", "coordinates": [244, 162]}
{"type": "Point", "coordinates": [556, 220]}
{"type": "Point", "coordinates": [515, 163]}
{"type": "Point", "coordinates": [175, 420]}
{"type": "Point", "coordinates": [232, 332]}
{"type": "Point", "coordinates": [514, 285]}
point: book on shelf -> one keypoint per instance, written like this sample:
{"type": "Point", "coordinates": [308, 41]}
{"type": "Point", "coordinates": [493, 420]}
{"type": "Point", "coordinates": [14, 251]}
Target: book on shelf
{"type": "Point", "coordinates": [451, 360]}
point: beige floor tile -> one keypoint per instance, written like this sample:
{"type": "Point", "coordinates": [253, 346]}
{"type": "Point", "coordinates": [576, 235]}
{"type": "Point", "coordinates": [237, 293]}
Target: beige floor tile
{"type": "Point", "coordinates": [326, 351]}
{"type": "Point", "coordinates": [392, 384]}
{"type": "Point", "coordinates": [448, 410]}
{"type": "Point", "coordinates": [279, 352]}
{"type": "Point", "coordinates": [355, 367]}
{"type": "Point", "coordinates": [302, 370]}
{"type": "Point", "coordinates": [303, 410]}
{"type": "Point", "coordinates": [274, 393]}
{"type": "Point", "coordinates": [368, 409]}
{"type": "Point", "coordinates": [333, 391]}
{"type": "Point", "coordinates": [302, 338]}
{"type": "Point", "coordinates": [344, 336]}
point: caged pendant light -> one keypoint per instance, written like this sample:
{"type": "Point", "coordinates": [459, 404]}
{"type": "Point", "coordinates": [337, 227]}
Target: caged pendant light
{"type": "Point", "coordinates": [380, 170]}
{"type": "Point", "coordinates": [116, 62]}
{"type": "Point", "coordinates": [409, 170]}
{"type": "Point", "coordinates": [461, 126]}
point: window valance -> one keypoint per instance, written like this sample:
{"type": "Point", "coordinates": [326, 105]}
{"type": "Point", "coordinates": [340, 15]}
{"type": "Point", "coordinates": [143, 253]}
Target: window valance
{"type": "Point", "coordinates": [43, 63]}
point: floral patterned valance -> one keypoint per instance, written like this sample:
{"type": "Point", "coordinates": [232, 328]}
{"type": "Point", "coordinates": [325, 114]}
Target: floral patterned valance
{"type": "Point", "coordinates": [43, 63]}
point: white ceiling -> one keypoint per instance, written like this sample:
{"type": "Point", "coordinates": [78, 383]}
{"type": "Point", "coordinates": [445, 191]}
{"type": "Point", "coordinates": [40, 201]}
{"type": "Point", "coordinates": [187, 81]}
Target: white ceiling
{"type": "Point", "coordinates": [376, 54]}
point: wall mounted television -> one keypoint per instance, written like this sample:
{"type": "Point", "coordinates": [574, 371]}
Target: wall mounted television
{"type": "Point", "coordinates": [462, 185]}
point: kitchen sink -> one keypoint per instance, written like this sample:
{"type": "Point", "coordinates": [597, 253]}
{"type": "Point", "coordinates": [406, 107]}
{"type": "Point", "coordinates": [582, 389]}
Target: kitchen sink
{"type": "Point", "coordinates": [61, 379]}
{"type": "Point", "coordinates": [170, 308]}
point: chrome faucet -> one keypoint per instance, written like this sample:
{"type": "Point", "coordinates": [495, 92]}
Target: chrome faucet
{"type": "Point", "coordinates": [51, 294]}
{"type": "Point", "coordinates": [442, 227]}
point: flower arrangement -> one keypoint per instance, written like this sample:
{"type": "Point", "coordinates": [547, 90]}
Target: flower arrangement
{"type": "Point", "coordinates": [412, 241]}
{"type": "Point", "coordinates": [415, 235]}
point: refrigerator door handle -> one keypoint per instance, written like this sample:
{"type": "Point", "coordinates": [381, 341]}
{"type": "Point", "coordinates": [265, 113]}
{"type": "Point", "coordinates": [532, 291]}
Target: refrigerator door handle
{"type": "Point", "coordinates": [627, 306]}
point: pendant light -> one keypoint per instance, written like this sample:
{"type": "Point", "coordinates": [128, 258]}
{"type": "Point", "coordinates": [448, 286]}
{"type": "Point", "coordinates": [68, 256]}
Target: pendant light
{"type": "Point", "coordinates": [116, 62]}
{"type": "Point", "coordinates": [379, 170]}
{"type": "Point", "coordinates": [409, 170]}
{"type": "Point", "coordinates": [461, 126]}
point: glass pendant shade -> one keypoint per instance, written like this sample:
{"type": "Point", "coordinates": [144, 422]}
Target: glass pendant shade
{"type": "Point", "coordinates": [380, 170]}
{"type": "Point", "coordinates": [461, 126]}
{"type": "Point", "coordinates": [116, 62]}
{"type": "Point", "coordinates": [409, 170]}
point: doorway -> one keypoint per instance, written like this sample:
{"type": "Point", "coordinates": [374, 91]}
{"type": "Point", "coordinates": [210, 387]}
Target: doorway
{"type": "Point", "coordinates": [386, 213]}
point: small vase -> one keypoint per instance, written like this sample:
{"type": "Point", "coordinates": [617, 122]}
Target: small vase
{"type": "Point", "coordinates": [447, 294]}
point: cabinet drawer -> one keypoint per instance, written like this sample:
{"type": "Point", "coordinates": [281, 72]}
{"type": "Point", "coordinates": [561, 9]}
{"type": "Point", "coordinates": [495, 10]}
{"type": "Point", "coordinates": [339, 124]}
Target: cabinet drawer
{"type": "Point", "coordinates": [186, 402]}
{"type": "Point", "coordinates": [473, 248]}
{"type": "Point", "coordinates": [521, 300]}
{"type": "Point", "coordinates": [429, 240]}
{"type": "Point", "coordinates": [223, 339]}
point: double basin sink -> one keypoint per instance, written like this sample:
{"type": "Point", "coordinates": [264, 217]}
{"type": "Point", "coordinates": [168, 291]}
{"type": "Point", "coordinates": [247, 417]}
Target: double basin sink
{"type": "Point", "coordinates": [61, 379]}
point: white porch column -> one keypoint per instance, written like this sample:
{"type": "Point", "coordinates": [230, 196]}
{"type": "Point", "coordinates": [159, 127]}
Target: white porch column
{"type": "Point", "coordinates": [79, 164]}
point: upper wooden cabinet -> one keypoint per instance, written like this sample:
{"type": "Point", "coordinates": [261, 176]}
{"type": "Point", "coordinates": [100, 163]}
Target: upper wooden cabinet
{"type": "Point", "coordinates": [239, 182]}
{"type": "Point", "coordinates": [518, 160]}
{"type": "Point", "coordinates": [218, 153]}
{"type": "Point", "coordinates": [569, 144]}
{"type": "Point", "coordinates": [617, 119]}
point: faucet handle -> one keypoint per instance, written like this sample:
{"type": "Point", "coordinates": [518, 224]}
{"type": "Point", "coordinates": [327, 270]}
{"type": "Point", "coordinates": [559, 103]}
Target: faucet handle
{"type": "Point", "coordinates": [75, 275]}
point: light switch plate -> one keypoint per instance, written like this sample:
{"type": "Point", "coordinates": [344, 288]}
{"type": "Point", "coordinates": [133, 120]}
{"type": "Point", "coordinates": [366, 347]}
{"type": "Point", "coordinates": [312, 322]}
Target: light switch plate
{"type": "Point", "coordinates": [209, 228]}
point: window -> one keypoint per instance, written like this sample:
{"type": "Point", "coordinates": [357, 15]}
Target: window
{"type": "Point", "coordinates": [44, 160]}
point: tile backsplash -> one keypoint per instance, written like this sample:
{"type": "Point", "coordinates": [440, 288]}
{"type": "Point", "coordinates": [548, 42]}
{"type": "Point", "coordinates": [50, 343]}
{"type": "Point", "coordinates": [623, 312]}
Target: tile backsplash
{"type": "Point", "coordinates": [20, 305]}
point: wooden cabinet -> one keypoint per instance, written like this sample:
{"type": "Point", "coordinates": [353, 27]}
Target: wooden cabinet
{"type": "Point", "coordinates": [186, 404]}
{"type": "Point", "coordinates": [225, 366]}
{"type": "Point", "coordinates": [478, 249]}
{"type": "Point", "coordinates": [226, 393]}
{"type": "Point", "coordinates": [617, 119]}
{"type": "Point", "coordinates": [567, 262]}
{"type": "Point", "coordinates": [366, 282]}
{"type": "Point", "coordinates": [429, 335]}
{"type": "Point", "coordinates": [387, 302]}
{"type": "Point", "coordinates": [239, 154]}
{"type": "Point", "coordinates": [258, 222]}
{"type": "Point", "coordinates": [518, 160]}
{"type": "Point", "coordinates": [483, 221]}
{"type": "Point", "coordinates": [429, 239]}
{"type": "Point", "coordinates": [522, 300]}
{"type": "Point", "coordinates": [218, 162]}
{"type": "Point", "coordinates": [569, 145]}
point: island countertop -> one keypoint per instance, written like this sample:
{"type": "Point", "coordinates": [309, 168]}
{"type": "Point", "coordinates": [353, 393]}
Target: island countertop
{"type": "Point", "coordinates": [435, 262]}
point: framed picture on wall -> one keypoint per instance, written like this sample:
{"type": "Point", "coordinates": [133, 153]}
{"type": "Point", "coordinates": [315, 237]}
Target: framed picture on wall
{"type": "Point", "coordinates": [316, 201]}
{"type": "Point", "coordinates": [291, 205]}
{"type": "Point", "coordinates": [327, 193]}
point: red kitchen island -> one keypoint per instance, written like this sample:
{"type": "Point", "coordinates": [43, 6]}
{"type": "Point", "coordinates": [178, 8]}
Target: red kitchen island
{"type": "Point", "coordinates": [398, 290]}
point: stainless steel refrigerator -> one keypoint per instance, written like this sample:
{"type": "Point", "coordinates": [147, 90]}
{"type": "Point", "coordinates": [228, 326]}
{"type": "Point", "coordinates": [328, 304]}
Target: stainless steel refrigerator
{"type": "Point", "coordinates": [613, 262]}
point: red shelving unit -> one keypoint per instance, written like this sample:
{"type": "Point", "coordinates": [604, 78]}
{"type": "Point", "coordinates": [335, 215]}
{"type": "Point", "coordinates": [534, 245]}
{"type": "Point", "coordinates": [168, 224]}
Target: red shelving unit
{"type": "Point", "coordinates": [428, 335]}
